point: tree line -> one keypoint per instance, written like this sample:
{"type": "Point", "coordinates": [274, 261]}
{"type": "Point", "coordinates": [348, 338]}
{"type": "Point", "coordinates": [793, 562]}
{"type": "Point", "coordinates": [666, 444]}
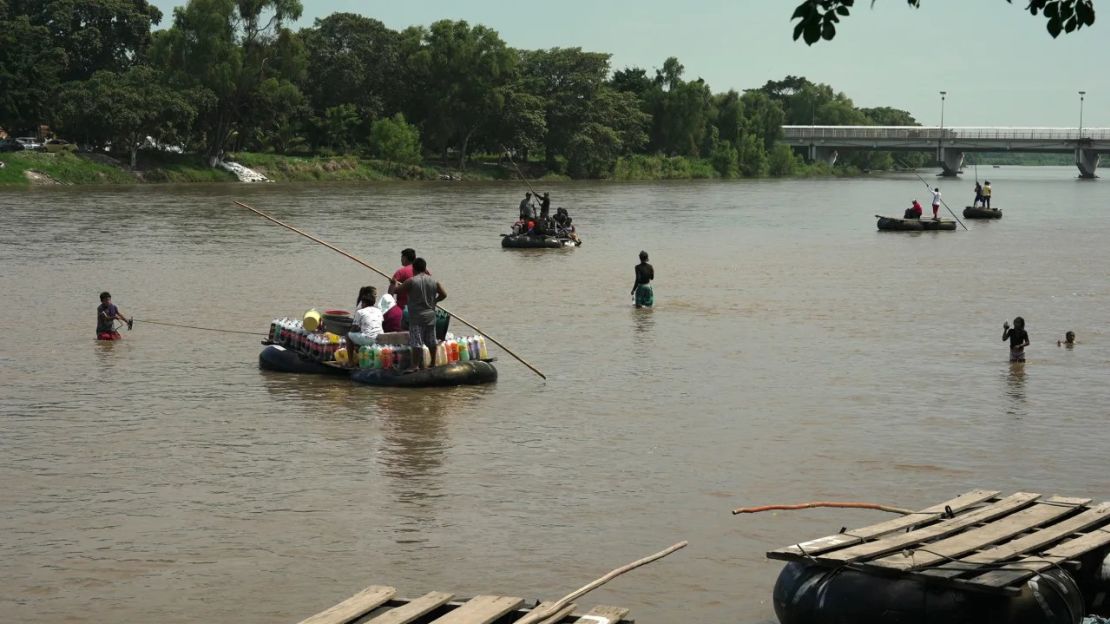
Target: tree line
{"type": "Point", "coordinates": [231, 75]}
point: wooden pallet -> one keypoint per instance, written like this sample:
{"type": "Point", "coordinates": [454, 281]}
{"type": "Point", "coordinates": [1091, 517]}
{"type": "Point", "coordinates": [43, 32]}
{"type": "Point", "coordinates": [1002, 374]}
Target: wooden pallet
{"type": "Point", "coordinates": [377, 605]}
{"type": "Point", "coordinates": [978, 541]}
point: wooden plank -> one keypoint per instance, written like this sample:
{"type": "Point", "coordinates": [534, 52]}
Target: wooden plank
{"type": "Point", "coordinates": [944, 528]}
{"type": "Point", "coordinates": [1019, 571]}
{"type": "Point", "coordinates": [481, 610]}
{"type": "Point", "coordinates": [857, 536]}
{"type": "Point", "coordinates": [1099, 514]}
{"type": "Point", "coordinates": [354, 607]}
{"type": "Point", "coordinates": [414, 609]}
{"type": "Point", "coordinates": [974, 539]}
{"type": "Point", "coordinates": [603, 614]}
{"type": "Point", "coordinates": [557, 616]}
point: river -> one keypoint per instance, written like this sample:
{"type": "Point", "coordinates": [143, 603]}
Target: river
{"type": "Point", "coordinates": [795, 353]}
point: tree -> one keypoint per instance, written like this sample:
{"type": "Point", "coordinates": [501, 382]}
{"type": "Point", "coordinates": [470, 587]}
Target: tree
{"type": "Point", "coordinates": [30, 67]}
{"type": "Point", "coordinates": [817, 19]}
{"type": "Point", "coordinates": [124, 109]}
{"type": "Point", "coordinates": [230, 49]}
{"type": "Point", "coordinates": [395, 140]}
{"type": "Point", "coordinates": [463, 73]}
{"type": "Point", "coordinates": [352, 60]}
{"type": "Point", "coordinates": [94, 35]}
{"type": "Point", "coordinates": [680, 111]}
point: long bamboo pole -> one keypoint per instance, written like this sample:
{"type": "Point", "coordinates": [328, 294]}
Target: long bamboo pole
{"type": "Point", "coordinates": [519, 173]}
{"type": "Point", "coordinates": [389, 277]}
{"type": "Point", "coordinates": [539, 616]}
{"type": "Point", "coordinates": [837, 504]}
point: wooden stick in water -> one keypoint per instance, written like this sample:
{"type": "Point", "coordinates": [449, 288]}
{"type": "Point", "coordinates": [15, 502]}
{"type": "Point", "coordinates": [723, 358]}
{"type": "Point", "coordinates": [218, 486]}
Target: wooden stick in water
{"type": "Point", "coordinates": [875, 506]}
{"type": "Point", "coordinates": [389, 277]}
{"type": "Point", "coordinates": [539, 616]}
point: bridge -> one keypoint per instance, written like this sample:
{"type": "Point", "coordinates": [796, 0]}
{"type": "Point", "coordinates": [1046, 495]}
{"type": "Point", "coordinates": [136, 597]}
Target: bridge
{"type": "Point", "coordinates": [951, 144]}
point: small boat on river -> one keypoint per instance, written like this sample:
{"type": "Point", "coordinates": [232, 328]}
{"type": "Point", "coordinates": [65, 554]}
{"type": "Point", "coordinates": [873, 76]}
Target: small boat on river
{"type": "Point", "coordinates": [894, 224]}
{"type": "Point", "coordinates": [974, 212]}
{"type": "Point", "coordinates": [532, 241]}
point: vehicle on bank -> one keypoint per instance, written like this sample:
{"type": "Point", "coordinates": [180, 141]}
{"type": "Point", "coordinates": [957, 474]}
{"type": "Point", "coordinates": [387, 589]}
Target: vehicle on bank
{"type": "Point", "coordinates": [29, 143]}
{"type": "Point", "coordinates": [10, 145]}
{"type": "Point", "coordinates": [55, 146]}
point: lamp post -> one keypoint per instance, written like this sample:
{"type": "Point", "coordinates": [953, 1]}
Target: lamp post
{"type": "Point", "coordinates": [940, 143]}
{"type": "Point", "coordinates": [1081, 94]}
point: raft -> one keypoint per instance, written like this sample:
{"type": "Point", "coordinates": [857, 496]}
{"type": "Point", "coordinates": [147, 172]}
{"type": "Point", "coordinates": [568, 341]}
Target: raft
{"type": "Point", "coordinates": [980, 557]}
{"type": "Point", "coordinates": [892, 224]}
{"type": "Point", "coordinates": [469, 373]}
{"type": "Point", "coordinates": [281, 360]}
{"type": "Point", "coordinates": [524, 241]}
{"type": "Point", "coordinates": [971, 212]}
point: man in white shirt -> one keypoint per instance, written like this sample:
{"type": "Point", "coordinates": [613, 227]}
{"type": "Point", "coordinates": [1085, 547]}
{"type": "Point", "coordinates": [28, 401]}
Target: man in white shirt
{"type": "Point", "coordinates": [936, 203]}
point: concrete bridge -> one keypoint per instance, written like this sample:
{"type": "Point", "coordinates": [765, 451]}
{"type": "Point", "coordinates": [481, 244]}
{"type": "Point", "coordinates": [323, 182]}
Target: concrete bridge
{"type": "Point", "coordinates": [951, 144]}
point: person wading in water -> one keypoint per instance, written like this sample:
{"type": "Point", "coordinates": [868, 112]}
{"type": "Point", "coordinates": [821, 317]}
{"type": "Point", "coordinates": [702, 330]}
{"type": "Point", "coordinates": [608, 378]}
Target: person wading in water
{"type": "Point", "coordinates": [641, 290]}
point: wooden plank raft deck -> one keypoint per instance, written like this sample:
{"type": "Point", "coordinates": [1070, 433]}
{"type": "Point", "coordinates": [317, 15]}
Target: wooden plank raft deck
{"type": "Point", "coordinates": [377, 605]}
{"type": "Point", "coordinates": [978, 541]}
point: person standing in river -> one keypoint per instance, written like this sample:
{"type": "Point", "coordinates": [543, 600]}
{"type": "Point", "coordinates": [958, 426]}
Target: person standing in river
{"type": "Point", "coordinates": [641, 289]}
{"type": "Point", "coordinates": [106, 316]}
{"type": "Point", "coordinates": [1018, 337]}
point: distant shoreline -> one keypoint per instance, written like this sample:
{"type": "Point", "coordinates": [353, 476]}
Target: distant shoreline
{"type": "Point", "coordinates": [32, 169]}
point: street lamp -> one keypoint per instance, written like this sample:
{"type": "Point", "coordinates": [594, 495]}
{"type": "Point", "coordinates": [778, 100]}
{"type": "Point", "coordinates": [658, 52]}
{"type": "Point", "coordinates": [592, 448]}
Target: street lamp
{"type": "Point", "coordinates": [1081, 94]}
{"type": "Point", "coordinates": [940, 142]}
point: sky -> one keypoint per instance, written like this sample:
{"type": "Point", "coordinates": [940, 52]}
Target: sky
{"type": "Point", "coordinates": [997, 63]}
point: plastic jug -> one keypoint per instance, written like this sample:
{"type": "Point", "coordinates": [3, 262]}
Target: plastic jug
{"type": "Point", "coordinates": [452, 351]}
{"type": "Point", "coordinates": [425, 356]}
{"type": "Point", "coordinates": [483, 352]}
{"type": "Point", "coordinates": [472, 342]}
{"type": "Point", "coordinates": [312, 320]}
{"type": "Point", "coordinates": [441, 354]}
{"type": "Point", "coordinates": [386, 357]}
{"type": "Point", "coordinates": [464, 351]}
{"type": "Point", "coordinates": [341, 356]}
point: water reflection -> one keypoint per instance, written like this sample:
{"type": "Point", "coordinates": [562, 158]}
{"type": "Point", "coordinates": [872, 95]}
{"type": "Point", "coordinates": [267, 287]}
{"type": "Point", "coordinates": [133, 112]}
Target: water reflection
{"type": "Point", "coordinates": [1015, 390]}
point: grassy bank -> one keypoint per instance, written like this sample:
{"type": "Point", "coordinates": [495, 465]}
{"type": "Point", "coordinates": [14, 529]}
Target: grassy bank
{"type": "Point", "coordinates": [161, 167]}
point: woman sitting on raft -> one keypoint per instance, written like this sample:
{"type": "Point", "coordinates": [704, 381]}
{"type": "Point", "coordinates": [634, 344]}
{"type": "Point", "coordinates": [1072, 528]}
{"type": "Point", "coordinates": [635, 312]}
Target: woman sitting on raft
{"type": "Point", "coordinates": [392, 314]}
{"type": "Point", "coordinates": [913, 212]}
{"type": "Point", "coordinates": [367, 323]}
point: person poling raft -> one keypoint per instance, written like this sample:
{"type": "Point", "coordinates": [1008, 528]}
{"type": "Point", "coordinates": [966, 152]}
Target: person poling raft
{"type": "Point", "coordinates": [541, 230]}
{"type": "Point", "coordinates": [486, 372]}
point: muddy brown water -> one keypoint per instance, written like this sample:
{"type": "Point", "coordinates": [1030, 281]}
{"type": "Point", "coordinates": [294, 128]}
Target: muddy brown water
{"type": "Point", "coordinates": [795, 353]}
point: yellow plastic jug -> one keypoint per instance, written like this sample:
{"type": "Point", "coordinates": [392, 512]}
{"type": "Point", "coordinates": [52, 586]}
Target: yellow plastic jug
{"type": "Point", "coordinates": [311, 320]}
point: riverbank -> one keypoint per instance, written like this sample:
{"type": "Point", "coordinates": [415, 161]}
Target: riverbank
{"type": "Point", "coordinates": [26, 169]}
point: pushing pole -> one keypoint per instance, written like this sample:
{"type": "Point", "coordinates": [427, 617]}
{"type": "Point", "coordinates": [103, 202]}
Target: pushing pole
{"type": "Point", "coordinates": [519, 173]}
{"type": "Point", "coordinates": [388, 277]}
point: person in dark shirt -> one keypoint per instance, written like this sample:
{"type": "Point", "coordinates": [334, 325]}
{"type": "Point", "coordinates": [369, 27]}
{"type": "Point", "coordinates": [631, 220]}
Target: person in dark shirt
{"type": "Point", "coordinates": [1018, 337]}
{"type": "Point", "coordinates": [106, 316]}
{"type": "Point", "coordinates": [527, 210]}
{"type": "Point", "coordinates": [641, 290]}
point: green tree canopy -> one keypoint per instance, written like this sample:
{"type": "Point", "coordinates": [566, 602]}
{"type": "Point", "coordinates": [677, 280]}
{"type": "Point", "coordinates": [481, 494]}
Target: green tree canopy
{"type": "Point", "coordinates": [30, 69]}
{"type": "Point", "coordinates": [94, 35]}
{"type": "Point", "coordinates": [352, 60]}
{"type": "Point", "coordinates": [124, 109]}
{"type": "Point", "coordinates": [817, 19]}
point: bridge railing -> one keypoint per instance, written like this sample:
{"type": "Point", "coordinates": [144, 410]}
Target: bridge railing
{"type": "Point", "coordinates": [925, 133]}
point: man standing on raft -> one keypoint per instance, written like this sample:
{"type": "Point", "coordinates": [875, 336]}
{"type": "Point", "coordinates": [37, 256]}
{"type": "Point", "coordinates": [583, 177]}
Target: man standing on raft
{"type": "Point", "coordinates": [424, 292]}
{"type": "Point", "coordinates": [641, 290]}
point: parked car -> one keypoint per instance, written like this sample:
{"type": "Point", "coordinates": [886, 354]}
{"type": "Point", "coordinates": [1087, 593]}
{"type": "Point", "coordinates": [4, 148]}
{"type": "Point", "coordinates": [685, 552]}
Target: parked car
{"type": "Point", "coordinates": [10, 145]}
{"type": "Point", "coordinates": [58, 145]}
{"type": "Point", "coordinates": [29, 142]}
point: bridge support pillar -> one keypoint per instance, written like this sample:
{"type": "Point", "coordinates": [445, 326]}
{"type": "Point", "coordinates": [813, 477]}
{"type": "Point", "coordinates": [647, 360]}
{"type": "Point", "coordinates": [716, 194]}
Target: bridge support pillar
{"type": "Point", "coordinates": [826, 154]}
{"type": "Point", "coordinates": [1087, 161]}
{"type": "Point", "coordinates": [951, 161]}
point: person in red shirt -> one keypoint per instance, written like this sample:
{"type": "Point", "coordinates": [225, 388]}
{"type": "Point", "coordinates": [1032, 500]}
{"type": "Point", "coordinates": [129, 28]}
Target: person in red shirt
{"type": "Point", "coordinates": [400, 275]}
{"type": "Point", "coordinates": [914, 211]}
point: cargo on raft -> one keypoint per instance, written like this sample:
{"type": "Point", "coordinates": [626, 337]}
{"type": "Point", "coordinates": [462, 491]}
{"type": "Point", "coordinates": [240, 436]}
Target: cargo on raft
{"type": "Point", "coordinates": [980, 557]}
{"type": "Point", "coordinates": [975, 212]}
{"type": "Point", "coordinates": [894, 224]}
{"type": "Point", "coordinates": [389, 361]}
